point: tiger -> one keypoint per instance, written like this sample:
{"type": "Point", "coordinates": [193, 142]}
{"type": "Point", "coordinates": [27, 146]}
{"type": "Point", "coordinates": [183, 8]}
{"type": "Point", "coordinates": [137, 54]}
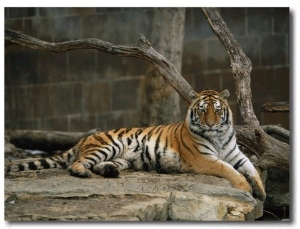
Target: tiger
{"type": "Point", "coordinates": [204, 143]}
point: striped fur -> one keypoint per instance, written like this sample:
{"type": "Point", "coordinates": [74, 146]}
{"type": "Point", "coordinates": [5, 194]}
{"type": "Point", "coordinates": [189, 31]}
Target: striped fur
{"type": "Point", "coordinates": [204, 143]}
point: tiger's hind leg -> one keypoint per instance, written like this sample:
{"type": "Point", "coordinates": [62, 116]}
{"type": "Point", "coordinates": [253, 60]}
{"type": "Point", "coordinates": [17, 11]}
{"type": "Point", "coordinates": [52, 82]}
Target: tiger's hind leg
{"type": "Point", "coordinates": [111, 169]}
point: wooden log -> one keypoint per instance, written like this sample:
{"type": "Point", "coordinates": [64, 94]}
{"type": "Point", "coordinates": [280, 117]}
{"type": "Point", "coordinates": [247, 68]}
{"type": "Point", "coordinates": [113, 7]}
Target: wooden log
{"type": "Point", "coordinates": [45, 140]}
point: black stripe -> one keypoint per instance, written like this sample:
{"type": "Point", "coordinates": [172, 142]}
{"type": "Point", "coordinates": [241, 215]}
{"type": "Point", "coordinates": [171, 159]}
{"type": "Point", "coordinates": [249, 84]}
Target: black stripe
{"type": "Point", "coordinates": [32, 165]}
{"type": "Point", "coordinates": [192, 115]}
{"type": "Point", "coordinates": [158, 166]}
{"type": "Point", "coordinates": [88, 151]}
{"type": "Point", "coordinates": [101, 140]}
{"type": "Point", "coordinates": [103, 153]}
{"type": "Point", "coordinates": [229, 139]}
{"type": "Point", "coordinates": [83, 140]}
{"type": "Point", "coordinates": [120, 135]}
{"type": "Point", "coordinates": [143, 148]}
{"type": "Point", "coordinates": [230, 152]}
{"type": "Point", "coordinates": [136, 148]}
{"type": "Point", "coordinates": [127, 130]}
{"type": "Point", "coordinates": [146, 166]}
{"type": "Point", "coordinates": [91, 159]}
{"type": "Point", "coordinates": [91, 164]}
{"type": "Point", "coordinates": [160, 128]}
{"type": "Point", "coordinates": [142, 156]}
{"type": "Point", "coordinates": [93, 150]}
{"type": "Point", "coordinates": [177, 127]}
{"type": "Point", "coordinates": [58, 157]}
{"type": "Point", "coordinates": [182, 140]}
{"type": "Point", "coordinates": [21, 167]}
{"type": "Point", "coordinates": [118, 163]}
{"type": "Point", "coordinates": [62, 164]}
{"type": "Point", "coordinates": [113, 141]}
{"type": "Point", "coordinates": [175, 132]}
{"type": "Point", "coordinates": [201, 134]}
{"type": "Point", "coordinates": [116, 130]}
{"type": "Point", "coordinates": [227, 116]}
{"type": "Point", "coordinates": [157, 142]}
{"type": "Point", "coordinates": [114, 152]}
{"type": "Point", "coordinates": [96, 155]}
{"type": "Point", "coordinates": [205, 146]}
{"type": "Point", "coordinates": [148, 154]}
{"type": "Point", "coordinates": [138, 132]}
{"type": "Point", "coordinates": [239, 163]}
{"type": "Point", "coordinates": [150, 132]}
{"type": "Point", "coordinates": [45, 164]}
{"type": "Point", "coordinates": [129, 141]}
{"type": "Point", "coordinates": [165, 147]}
{"type": "Point", "coordinates": [89, 146]}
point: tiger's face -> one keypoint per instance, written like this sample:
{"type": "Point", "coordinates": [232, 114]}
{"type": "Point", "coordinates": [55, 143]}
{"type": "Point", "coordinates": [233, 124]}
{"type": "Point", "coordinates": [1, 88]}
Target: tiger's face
{"type": "Point", "coordinates": [209, 111]}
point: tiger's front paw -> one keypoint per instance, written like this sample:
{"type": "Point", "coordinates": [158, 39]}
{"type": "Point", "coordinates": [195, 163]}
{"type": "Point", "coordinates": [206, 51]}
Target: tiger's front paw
{"type": "Point", "coordinates": [242, 183]}
{"type": "Point", "coordinates": [258, 190]}
{"type": "Point", "coordinates": [261, 195]}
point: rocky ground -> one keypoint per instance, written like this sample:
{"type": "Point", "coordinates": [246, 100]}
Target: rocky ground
{"type": "Point", "coordinates": [136, 196]}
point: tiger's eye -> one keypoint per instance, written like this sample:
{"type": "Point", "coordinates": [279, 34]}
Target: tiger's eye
{"type": "Point", "coordinates": [201, 109]}
{"type": "Point", "coordinates": [218, 109]}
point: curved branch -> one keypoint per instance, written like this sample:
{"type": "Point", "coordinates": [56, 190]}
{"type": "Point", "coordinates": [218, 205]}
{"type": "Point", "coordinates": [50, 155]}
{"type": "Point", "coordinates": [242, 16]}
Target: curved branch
{"type": "Point", "coordinates": [143, 51]}
{"type": "Point", "coordinates": [277, 130]}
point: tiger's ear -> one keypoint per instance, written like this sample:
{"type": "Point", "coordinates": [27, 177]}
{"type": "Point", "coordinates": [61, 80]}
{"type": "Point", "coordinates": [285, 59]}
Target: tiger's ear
{"type": "Point", "coordinates": [224, 94]}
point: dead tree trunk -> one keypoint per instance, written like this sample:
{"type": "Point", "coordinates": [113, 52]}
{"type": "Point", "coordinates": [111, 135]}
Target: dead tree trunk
{"type": "Point", "coordinates": [160, 103]}
{"type": "Point", "coordinates": [270, 152]}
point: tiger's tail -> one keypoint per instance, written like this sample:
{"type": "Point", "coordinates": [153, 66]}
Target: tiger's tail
{"type": "Point", "coordinates": [62, 160]}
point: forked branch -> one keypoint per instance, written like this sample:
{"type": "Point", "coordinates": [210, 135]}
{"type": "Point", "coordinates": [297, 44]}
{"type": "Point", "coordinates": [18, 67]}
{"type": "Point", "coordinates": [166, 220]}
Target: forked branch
{"type": "Point", "coordinates": [144, 50]}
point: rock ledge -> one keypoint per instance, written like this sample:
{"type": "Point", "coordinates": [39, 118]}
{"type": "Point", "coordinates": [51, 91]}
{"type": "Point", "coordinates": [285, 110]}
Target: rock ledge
{"type": "Point", "coordinates": [135, 196]}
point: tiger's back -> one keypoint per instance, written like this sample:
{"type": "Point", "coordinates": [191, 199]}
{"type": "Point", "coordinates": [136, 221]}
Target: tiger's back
{"type": "Point", "coordinates": [204, 143]}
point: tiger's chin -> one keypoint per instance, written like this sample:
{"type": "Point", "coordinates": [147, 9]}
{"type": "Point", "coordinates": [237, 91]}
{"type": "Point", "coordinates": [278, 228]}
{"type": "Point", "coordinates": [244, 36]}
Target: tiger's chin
{"type": "Point", "coordinates": [209, 129]}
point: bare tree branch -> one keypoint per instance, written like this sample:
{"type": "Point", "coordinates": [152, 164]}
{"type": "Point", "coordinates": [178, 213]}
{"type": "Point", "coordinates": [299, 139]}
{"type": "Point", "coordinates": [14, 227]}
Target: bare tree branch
{"type": "Point", "coordinates": [144, 51]}
{"type": "Point", "coordinates": [240, 64]}
{"type": "Point", "coordinates": [276, 107]}
{"type": "Point", "coordinates": [277, 130]}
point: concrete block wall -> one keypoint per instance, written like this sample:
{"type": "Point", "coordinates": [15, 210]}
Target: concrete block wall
{"type": "Point", "coordinates": [83, 89]}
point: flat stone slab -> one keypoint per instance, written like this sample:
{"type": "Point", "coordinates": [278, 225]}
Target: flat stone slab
{"type": "Point", "coordinates": [135, 196]}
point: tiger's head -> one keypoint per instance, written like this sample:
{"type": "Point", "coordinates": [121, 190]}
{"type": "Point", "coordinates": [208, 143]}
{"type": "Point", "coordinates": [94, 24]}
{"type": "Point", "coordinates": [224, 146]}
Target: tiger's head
{"type": "Point", "coordinates": [209, 112]}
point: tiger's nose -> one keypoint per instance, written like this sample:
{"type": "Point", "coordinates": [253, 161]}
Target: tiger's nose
{"type": "Point", "coordinates": [210, 124]}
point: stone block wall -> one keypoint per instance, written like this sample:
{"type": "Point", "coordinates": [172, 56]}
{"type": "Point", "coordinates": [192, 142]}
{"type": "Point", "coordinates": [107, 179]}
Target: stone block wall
{"type": "Point", "coordinates": [83, 89]}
